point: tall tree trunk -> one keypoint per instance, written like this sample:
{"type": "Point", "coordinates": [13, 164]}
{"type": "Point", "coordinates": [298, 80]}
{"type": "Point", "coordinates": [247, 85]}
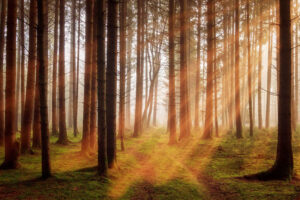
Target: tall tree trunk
{"type": "Point", "coordinates": [42, 35]}
{"type": "Point", "coordinates": [29, 102]}
{"type": "Point", "coordinates": [72, 65]}
{"type": "Point", "coordinates": [237, 73]}
{"type": "Point", "coordinates": [62, 139]}
{"type": "Point", "coordinates": [215, 82]}
{"type": "Point", "coordinates": [123, 15]}
{"type": "Point", "coordinates": [54, 76]}
{"type": "Point", "coordinates": [36, 141]}
{"type": "Point", "coordinates": [2, 30]}
{"type": "Point", "coordinates": [93, 128]}
{"type": "Point", "coordinates": [111, 93]}
{"type": "Point", "coordinates": [102, 128]}
{"type": "Point", "coordinates": [260, 68]}
{"type": "Point", "coordinates": [87, 78]}
{"type": "Point", "coordinates": [269, 73]}
{"type": "Point", "coordinates": [197, 88]}
{"type": "Point", "coordinates": [22, 58]}
{"type": "Point", "coordinates": [75, 109]}
{"type": "Point", "coordinates": [11, 145]}
{"type": "Point", "coordinates": [249, 70]}
{"type": "Point", "coordinates": [207, 134]}
{"type": "Point", "coordinates": [184, 97]}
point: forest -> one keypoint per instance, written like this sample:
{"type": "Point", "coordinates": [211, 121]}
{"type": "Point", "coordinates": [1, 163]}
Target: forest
{"type": "Point", "coordinates": [149, 99]}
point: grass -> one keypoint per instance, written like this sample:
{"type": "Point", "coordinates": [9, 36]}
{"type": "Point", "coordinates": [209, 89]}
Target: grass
{"type": "Point", "coordinates": [151, 169]}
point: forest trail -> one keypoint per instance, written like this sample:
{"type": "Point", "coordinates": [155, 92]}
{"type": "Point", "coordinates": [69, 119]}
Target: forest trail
{"type": "Point", "coordinates": [149, 168]}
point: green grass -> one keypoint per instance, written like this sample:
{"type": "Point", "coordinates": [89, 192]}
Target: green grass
{"type": "Point", "coordinates": [151, 169]}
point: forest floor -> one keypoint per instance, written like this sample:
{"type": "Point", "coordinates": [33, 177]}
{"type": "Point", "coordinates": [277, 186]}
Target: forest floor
{"type": "Point", "coordinates": [150, 169]}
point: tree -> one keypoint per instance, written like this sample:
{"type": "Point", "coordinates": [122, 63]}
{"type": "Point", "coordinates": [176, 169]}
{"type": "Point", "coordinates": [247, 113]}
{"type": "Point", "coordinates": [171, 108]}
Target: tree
{"type": "Point", "coordinates": [249, 69]}
{"type": "Point", "coordinates": [184, 97]}
{"type": "Point", "coordinates": [42, 61]}
{"type": "Point", "coordinates": [62, 139]}
{"type": "Point", "coordinates": [11, 145]}
{"type": "Point", "coordinates": [87, 78]}
{"type": "Point", "coordinates": [260, 67]}
{"type": "Point", "coordinates": [123, 15]}
{"type": "Point", "coordinates": [102, 126]}
{"type": "Point", "coordinates": [172, 103]}
{"type": "Point", "coordinates": [54, 107]}
{"type": "Point", "coordinates": [237, 73]}
{"type": "Point", "coordinates": [2, 30]}
{"type": "Point", "coordinates": [29, 101]}
{"type": "Point", "coordinates": [209, 80]}
{"type": "Point", "coordinates": [111, 93]}
{"type": "Point", "coordinates": [283, 166]}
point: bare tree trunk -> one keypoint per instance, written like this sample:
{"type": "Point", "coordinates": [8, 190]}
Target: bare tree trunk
{"type": "Point", "coordinates": [112, 39]}
{"type": "Point", "coordinates": [85, 144]}
{"type": "Point", "coordinates": [11, 145]}
{"type": "Point", "coordinates": [269, 75]}
{"type": "Point", "coordinates": [260, 69]}
{"type": "Point", "coordinates": [42, 35]}
{"type": "Point", "coordinates": [249, 70]}
{"type": "Point", "coordinates": [102, 128]}
{"type": "Point", "coordinates": [36, 141]}
{"type": "Point", "coordinates": [54, 77]}
{"type": "Point", "coordinates": [207, 134]}
{"type": "Point", "coordinates": [123, 15]}
{"type": "Point", "coordinates": [2, 30]}
{"type": "Point", "coordinates": [29, 103]}
{"type": "Point", "coordinates": [62, 139]}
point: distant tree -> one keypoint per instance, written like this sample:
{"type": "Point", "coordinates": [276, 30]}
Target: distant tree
{"type": "Point", "coordinates": [11, 145]}
{"type": "Point", "coordinates": [260, 39]}
{"type": "Point", "coordinates": [42, 61]}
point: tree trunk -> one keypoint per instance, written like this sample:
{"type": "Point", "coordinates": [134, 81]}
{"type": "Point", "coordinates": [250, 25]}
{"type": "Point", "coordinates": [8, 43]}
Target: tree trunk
{"type": "Point", "coordinates": [2, 30]}
{"type": "Point", "coordinates": [269, 73]}
{"type": "Point", "coordinates": [29, 102]}
{"type": "Point", "coordinates": [54, 107]}
{"type": "Point", "coordinates": [184, 97]}
{"type": "Point", "coordinates": [172, 103]}
{"type": "Point", "coordinates": [111, 75]}
{"type": "Point", "coordinates": [260, 68]}
{"type": "Point", "coordinates": [11, 145]}
{"type": "Point", "coordinates": [249, 70]}
{"type": "Point", "coordinates": [207, 134]}
{"type": "Point", "coordinates": [42, 35]}
{"type": "Point", "coordinates": [62, 139]}
{"type": "Point", "coordinates": [102, 128]}
{"type": "Point", "coordinates": [237, 73]}
{"type": "Point", "coordinates": [85, 144]}
{"type": "Point", "coordinates": [36, 141]}
{"type": "Point", "coordinates": [123, 15]}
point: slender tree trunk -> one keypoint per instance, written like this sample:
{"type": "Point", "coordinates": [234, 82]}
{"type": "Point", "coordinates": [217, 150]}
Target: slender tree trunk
{"type": "Point", "coordinates": [72, 65]}
{"type": "Point", "coordinates": [269, 75]}
{"type": "Point", "coordinates": [184, 97]}
{"type": "Point", "coordinates": [36, 141]}
{"type": "Point", "coordinates": [2, 30]}
{"type": "Point", "coordinates": [54, 79]}
{"type": "Point", "coordinates": [42, 35]}
{"type": "Point", "coordinates": [207, 134]}
{"type": "Point", "coordinates": [215, 82]}
{"type": "Point", "coordinates": [11, 145]}
{"type": "Point", "coordinates": [85, 144]}
{"type": "Point", "coordinates": [123, 15]}
{"type": "Point", "coordinates": [93, 128]}
{"type": "Point", "coordinates": [102, 128]}
{"type": "Point", "coordinates": [260, 68]}
{"type": "Point", "coordinates": [249, 70]}
{"type": "Point", "coordinates": [62, 139]}
{"type": "Point", "coordinates": [75, 109]}
{"type": "Point", "coordinates": [237, 73]}
{"type": "Point", "coordinates": [112, 39]}
{"type": "Point", "coordinates": [29, 102]}
{"type": "Point", "coordinates": [22, 44]}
